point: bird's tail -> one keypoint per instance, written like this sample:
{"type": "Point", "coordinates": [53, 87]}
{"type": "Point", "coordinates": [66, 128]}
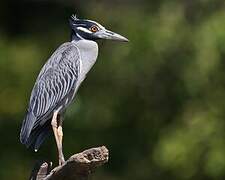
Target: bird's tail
{"type": "Point", "coordinates": [37, 136]}
{"type": "Point", "coordinates": [27, 127]}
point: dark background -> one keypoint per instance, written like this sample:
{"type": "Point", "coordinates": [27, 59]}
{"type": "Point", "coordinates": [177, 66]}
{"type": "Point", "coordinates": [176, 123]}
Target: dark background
{"type": "Point", "coordinates": [157, 102]}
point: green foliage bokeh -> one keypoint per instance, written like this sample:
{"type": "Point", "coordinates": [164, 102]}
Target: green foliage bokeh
{"type": "Point", "coordinates": [156, 102]}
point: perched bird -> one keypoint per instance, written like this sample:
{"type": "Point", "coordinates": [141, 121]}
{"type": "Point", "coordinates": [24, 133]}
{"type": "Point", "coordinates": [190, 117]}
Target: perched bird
{"type": "Point", "coordinates": [59, 80]}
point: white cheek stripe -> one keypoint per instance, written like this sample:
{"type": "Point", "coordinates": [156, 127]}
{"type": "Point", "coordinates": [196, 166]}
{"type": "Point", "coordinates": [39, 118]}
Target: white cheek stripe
{"type": "Point", "coordinates": [84, 30]}
{"type": "Point", "coordinates": [79, 36]}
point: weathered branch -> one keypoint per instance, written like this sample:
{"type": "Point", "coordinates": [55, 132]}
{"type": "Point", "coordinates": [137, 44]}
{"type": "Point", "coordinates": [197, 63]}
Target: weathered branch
{"type": "Point", "coordinates": [77, 167]}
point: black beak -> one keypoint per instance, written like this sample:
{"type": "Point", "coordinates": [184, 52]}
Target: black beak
{"type": "Point", "coordinates": [106, 34]}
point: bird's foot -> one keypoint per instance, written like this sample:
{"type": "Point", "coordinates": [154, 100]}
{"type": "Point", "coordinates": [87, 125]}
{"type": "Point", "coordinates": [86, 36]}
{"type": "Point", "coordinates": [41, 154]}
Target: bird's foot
{"type": "Point", "coordinates": [61, 160]}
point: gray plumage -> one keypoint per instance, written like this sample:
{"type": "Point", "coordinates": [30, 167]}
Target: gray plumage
{"type": "Point", "coordinates": [59, 80]}
{"type": "Point", "coordinates": [55, 88]}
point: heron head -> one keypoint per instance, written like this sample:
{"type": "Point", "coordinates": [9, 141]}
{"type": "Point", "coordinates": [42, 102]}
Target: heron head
{"type": "Point", "coordinates": [91, 30]}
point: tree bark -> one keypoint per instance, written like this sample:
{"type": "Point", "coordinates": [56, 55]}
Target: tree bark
{"type": "Point", "coordinates": [78, 167]}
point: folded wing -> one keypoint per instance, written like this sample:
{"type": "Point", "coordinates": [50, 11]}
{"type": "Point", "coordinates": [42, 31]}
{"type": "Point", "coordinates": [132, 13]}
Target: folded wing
{"type": "Point", "coordinates": [55, 83]}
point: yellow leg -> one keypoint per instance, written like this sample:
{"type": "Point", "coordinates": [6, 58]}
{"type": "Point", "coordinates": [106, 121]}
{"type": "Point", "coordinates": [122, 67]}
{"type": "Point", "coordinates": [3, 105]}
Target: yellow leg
{"type": "Point", "coordinates": [58, 136]}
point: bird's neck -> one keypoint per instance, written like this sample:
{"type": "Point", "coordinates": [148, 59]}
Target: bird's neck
{"type": "Point", "coordinates": [75, 36]}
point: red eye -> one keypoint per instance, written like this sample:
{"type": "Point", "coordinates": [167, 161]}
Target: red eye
{"type": "Point", "coordinates": [94, 28]}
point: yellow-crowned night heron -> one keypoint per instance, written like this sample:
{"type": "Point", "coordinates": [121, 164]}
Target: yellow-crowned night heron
{"type": "Point", "coordinates": [59, 80]}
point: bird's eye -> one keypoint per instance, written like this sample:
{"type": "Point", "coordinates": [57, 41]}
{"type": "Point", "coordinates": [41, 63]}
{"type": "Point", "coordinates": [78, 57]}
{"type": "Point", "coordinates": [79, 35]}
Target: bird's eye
{"type": "Point", "coordinates": [94, 28]}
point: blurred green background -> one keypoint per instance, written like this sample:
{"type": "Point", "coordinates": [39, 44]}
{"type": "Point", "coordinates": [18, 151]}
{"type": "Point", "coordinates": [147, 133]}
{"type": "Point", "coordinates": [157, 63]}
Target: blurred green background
{"type": "Point", "coordinates": [157, 102]}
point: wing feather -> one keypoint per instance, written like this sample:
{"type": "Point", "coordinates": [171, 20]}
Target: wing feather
{"type": "Point", "coordinates": [55, 82]}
